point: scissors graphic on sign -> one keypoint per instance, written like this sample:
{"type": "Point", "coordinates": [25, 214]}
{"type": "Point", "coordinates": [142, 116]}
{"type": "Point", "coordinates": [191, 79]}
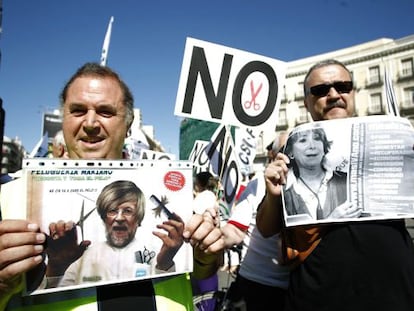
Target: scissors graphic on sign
{"type": "Point", "coordinates": [148, 255]}
{"type": "Point", "coordinates": [249, 103]}
{"type": "Point", "coordinates": [83, 217]}
{"type": "Point", "coordinates": [144, 256]}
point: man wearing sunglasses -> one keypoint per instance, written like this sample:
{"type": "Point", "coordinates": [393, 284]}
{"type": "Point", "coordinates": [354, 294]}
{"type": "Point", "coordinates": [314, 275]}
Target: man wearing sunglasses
{"type": "Point", "coordinates": [352, 266]}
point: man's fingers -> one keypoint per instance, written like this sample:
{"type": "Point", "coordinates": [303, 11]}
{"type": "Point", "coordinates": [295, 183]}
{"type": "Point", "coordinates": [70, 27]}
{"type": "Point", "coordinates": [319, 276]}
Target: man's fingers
{"type": "Point", "coordinates": [17, 225]}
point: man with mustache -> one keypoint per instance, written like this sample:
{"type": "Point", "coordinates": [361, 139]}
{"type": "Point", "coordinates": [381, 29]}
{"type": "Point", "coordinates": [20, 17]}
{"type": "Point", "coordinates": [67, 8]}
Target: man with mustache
{"type": "Point", "coordinates": [367, 265]}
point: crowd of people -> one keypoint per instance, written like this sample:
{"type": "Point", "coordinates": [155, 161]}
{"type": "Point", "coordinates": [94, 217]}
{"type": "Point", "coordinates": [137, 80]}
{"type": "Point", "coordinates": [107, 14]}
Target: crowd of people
{"type": "Point", "coordinates": [367, 265]}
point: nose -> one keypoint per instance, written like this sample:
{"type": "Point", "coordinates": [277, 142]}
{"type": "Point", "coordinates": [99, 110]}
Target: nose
{"type": "Point", "coordinates": [120, 215]}
{"type": "Point", "coordinates": [90, 118]}
{"type": "Point", "coordinates": [311, 143]}
{"type": "Point", "coordinates": [90, 123]}
{"type": "Point", "coordinates": [333, 93]}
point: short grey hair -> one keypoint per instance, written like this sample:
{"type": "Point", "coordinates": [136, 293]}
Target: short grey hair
{"type": "Point", "coordinates": [323, 63]}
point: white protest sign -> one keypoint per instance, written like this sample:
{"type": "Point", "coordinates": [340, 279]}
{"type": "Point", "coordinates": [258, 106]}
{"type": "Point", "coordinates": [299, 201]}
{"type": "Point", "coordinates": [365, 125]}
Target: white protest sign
{"type": "Point", "coordinates": [156, 155]}
{"type": "Point", "coordinates": [199, 158]}
{"type": "Point", "coordinates": [245, 148]}
{"type": "Point", "coordinates": [224, 164]}
{"type": "Point", "coordinates": [229, 86]}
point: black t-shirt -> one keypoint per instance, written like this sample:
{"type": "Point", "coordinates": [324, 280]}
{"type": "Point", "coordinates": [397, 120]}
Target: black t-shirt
{"type": "Point", "coordinates": [357, 266]}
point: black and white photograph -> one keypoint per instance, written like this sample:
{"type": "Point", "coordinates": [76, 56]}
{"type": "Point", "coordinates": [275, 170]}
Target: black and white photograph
{"type": "Point", "coordinates": [349, 170]}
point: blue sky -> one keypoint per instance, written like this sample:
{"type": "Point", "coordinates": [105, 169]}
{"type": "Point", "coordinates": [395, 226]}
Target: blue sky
{"type": "Point", "coordinates": [43, 42]}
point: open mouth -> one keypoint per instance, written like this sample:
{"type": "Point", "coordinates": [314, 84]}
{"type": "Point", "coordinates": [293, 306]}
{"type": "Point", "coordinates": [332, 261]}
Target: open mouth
{"type": "Point", "coordinates": [92, 140]}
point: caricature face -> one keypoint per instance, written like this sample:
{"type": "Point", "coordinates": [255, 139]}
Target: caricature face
{"type": "Point", "coordinates": [308, 149]}
{"type": "Point", "coordinates": [121, 224]}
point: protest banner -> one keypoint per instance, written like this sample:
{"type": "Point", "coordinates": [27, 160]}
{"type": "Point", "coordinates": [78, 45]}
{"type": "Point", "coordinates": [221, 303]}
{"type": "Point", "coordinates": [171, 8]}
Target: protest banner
{"type": "Point", "coordinates": [198, 156]}
{"type": "Point", "coordinates": [223, 161]}
{"type": "Point", "coordinates": [229, 86]}
{"type": "Point", "coordinates": [245, 148]}
{"type": "Point", "coordinates": [68, 190]}
{"type": "Point", "coordinates": [365, 161]}
{"type": "Point", "coordinates": [233, 88]}
{"type": "Point", "coordinates": [156, 155]}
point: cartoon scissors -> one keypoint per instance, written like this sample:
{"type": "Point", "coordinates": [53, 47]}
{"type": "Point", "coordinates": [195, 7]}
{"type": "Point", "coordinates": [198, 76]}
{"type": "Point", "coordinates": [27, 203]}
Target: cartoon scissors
{"type": "Point", "coordinates": [249, 103]}
{"type": "Point", "coordinates": [147, 255]}
{"type": "Point", "coordinates": [83, 217]}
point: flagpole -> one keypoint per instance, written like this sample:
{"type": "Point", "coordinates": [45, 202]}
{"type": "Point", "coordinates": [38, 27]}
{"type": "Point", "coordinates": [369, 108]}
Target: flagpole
{"type": "Point", "coordinates": [392, 105]}
{"type": "Point", "coordinates": [107, 40]}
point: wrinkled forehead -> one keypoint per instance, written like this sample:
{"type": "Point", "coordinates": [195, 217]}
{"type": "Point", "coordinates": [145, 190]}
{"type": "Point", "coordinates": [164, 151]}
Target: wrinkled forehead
{"type": "Point", "coordinates": [328, 74]}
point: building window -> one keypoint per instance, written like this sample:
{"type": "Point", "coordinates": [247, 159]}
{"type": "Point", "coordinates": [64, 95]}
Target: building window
{"type": "Point", "coordinates": [375, 104]}
{"type": "Point", "coordinates": [374, 75]}
{"type": "Point", "coordinates": [299, 93]}
{"type": "Point", "coordinates": [408, 101]}
{"type": "Point", "coordinates": [303, 115]}
{"type": "Point", "coordinates": [282, 118]}
{"type": "Point", "coordinates": [406, 67]}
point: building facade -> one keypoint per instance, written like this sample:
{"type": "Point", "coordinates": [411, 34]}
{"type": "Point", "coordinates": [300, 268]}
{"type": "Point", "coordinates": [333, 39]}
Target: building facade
{"type": "Point", "coordinates": [13, 153]}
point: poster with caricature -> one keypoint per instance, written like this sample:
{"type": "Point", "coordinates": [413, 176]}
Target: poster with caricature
{"type": "Point", "coordinates": [106, 220]}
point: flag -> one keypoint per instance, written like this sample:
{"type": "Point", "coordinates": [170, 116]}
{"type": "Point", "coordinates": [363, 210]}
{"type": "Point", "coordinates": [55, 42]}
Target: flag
{"type": "Point", "coordinates": [390, 94]}
{"type": "Point", "coordinates": [107, 40]}
{"type": "Point", "coordinates": [42, 148]}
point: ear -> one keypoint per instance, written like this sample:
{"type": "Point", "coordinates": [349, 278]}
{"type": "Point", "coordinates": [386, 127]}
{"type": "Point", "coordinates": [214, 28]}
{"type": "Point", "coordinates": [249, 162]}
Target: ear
{"type": "Point", "coordinates": [61, 151]}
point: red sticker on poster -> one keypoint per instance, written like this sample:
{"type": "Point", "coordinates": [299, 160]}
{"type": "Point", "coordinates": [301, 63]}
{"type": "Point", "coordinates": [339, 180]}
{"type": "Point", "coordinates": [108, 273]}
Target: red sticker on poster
{"type": "Point", "coordinates": [174, 180]}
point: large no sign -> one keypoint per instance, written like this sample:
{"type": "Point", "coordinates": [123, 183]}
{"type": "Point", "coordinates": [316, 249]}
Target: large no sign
{"type": "Point", "coordinates": [229, 86]}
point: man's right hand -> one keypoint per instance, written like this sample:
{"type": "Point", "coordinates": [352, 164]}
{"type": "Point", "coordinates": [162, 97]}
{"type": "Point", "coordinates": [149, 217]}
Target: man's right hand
{"type": "Point", "coordinates": [275, 174]}
{"type": "Point", "coordinates": [269, 213]}
{"type": "Point", "coordinates": [62, 247]}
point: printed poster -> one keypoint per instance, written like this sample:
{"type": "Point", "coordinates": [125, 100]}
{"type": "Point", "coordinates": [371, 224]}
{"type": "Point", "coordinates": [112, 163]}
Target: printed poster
{"type": "Point", "coordinates": [353, 169]}
{"type": "Point", "coordinates": [88, 193]}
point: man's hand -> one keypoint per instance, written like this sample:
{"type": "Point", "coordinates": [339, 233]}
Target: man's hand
{"type": "Point", "coordinates": [275, 174]}
{"type": "Point", "coordinates": [21, 248]}
{"type": "Point", "coordinates": [172, 241]}
{"type": "Point", "coordinates": [269, 213]}
{"type": "Point", "coordinates": [202, 230]}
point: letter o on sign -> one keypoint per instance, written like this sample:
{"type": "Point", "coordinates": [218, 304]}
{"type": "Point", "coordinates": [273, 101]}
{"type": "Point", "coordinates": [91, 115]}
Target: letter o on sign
{"type": "Point", "coordinates": [248, 69]}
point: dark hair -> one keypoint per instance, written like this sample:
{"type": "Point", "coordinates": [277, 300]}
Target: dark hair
{"type": "Point", "coordinates": [206, 181]}
{"type": "Point", "coordinates": [323, 63]}
{"type": "Point", "coordinates": [293, 138]}
{"type": "Point", "coordinates": [118, 192]}
{"type": "Point", "coordinates": [97, 70]}
{"type": "Point", "coordinates": [269, 147]}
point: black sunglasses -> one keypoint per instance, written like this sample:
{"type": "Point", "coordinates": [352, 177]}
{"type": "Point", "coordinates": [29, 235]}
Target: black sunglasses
{"type": "Point", "coordinates": [321, 90]}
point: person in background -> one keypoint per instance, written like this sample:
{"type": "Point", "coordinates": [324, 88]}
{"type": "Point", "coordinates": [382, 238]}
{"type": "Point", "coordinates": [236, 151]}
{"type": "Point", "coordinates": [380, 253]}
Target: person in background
{"type": "Point", "coordinates": [205, 192]}
{"type": "Point", "coordinates": [205, 196]}
{"type": "Point", "coordinates": [260, 277]}
{"type": "Point", "coordinates": [97, 113]}
{"type": "Point", "coordinates": [59, 146]}
{"type": "Point", "coordinates": [354, 265]}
